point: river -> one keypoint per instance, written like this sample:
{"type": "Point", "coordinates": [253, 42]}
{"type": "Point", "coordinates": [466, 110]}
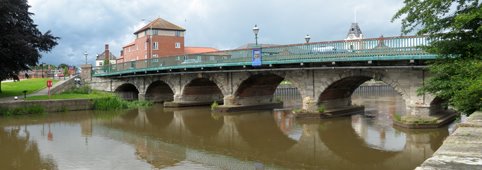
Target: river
{"type": "Point", "coordinates": [195, 138]}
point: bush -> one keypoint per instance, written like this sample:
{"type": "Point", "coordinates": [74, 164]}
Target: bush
{"type": "Point", "coordinates": [321, 109]}
{"type": "Point", "coordinates": [35, 109]}
{"type": "Point", "coordinates": [80, 90]}
{"type": "Point", "coordinates": [397, 117]}
{"type": "Point", "coordinates": [110, 103]}
{"type": "Point", "coordinates": [214, 105]}
{"type": "Point", "coordinates": [116, 103]}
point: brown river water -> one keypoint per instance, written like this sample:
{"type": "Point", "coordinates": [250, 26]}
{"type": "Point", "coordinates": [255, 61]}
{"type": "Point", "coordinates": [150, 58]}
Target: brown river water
{"type": "Point", "coordinates": [195, 138]}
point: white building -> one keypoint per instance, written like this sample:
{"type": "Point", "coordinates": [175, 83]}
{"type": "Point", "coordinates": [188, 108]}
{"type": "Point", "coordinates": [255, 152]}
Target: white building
{"type": "Point", "coordinates": [99, 61]}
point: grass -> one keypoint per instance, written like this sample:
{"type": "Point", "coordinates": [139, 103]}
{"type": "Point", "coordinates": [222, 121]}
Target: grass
{"type": "Point", "coordinates": [83, 92]}
{"type": "Point", "coordinates": [93, 95]}
{"type": "Point", "coordinates": [16, 88]}
{"type": "Point", "coordinates": [116, 103]}
{"type": "Point", "coordinates": [22, 110]}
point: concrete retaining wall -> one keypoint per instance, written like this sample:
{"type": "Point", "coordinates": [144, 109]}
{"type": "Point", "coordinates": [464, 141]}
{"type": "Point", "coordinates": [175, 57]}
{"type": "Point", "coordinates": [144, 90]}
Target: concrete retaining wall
{"type": "Point", "coordinates": [53, 105]}
{"type": "Point", "coordinates": [462, 149]}
{"type": "Point", "coordinates": [70, 83]}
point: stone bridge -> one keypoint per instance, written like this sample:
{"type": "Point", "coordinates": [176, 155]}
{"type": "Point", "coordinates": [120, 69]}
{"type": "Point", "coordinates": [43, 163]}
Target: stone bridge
{"type": "Point", "coordinates": [331, 87]}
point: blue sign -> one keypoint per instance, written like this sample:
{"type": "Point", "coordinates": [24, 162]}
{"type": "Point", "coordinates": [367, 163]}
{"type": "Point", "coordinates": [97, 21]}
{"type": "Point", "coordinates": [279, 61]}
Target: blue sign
{"type": "Point", "coordinates": [257, 58]}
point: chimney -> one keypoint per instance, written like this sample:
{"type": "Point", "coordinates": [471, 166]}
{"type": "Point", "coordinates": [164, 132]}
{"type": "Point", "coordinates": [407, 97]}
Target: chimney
{"type": "Point", "coordinates": [106, 54]}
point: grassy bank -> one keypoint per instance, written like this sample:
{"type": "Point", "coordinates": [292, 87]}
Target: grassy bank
{"type": "Point", "coordinates": [93, 95]}
{"type": "Point", "coordinates": [116, 103]}
{"type": "Point", "coordinates": [83, 92]}
{"type": "Point", "coordinates": [22, 111]}
{"type": "Point", "coordinates": [17, 88]}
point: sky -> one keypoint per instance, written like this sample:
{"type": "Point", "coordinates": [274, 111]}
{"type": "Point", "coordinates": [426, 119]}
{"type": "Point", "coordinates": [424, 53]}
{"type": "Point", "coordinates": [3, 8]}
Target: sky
{"type": "Point", "coordinates": [86, 25]}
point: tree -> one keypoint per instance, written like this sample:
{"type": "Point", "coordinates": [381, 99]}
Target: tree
{"type": "Point", "coordinates": [20, 40]}
{"type": "Point", "coordinates": [455, 29]}
{"type": "Point", "coordinates": [63, 65]}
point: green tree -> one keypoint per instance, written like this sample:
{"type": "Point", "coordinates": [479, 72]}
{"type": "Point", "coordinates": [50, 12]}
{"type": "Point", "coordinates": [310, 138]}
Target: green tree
{"type": "Point", "coordinates": [454, 27]}
{"type": "Point", "coordinates": [63, 65]}
{"type": "Point", "coordinates": [20, 40]}
{"type": "Point", "coordinates": [66, 71]}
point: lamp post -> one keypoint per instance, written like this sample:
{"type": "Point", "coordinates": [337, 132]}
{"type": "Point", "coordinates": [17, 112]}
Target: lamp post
{"type": "Point", "coordinates": [307, 38]}
{"type": "Point", "coordinates": [85, 54]}
{"type": "Point", "coordinates": [256, 31]}
{"type": "Point", "coordinates": [42, 66]}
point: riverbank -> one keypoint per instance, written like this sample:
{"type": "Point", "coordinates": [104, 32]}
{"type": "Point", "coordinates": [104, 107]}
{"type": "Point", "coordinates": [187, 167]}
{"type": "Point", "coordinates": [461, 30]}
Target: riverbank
{"type": "Point", "coordinates": [462, 149]}
{"type": "Point", "coordinates": [51, 105]}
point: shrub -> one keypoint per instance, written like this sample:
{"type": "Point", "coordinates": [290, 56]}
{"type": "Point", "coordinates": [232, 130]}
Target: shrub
{"type": "Point", "coordinates": [397, 117]}
{"type": "Point", "coordinates": [80, 90]}
{"type": "Point", "coordinates": [35, 109]}
{"type": "Point", "coordinates": [214, 105]}
{"type": "Point", "coordinates": [110, 103]}
{"type": "Point", "coordinates": [321, 109]}
{"type": "Point", "coordinates": [116, 103]}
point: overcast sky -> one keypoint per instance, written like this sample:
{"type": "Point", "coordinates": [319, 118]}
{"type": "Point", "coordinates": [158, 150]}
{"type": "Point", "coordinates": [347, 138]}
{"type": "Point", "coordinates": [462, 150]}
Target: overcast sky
{"type": "Point", "coordinates": [86, 25]}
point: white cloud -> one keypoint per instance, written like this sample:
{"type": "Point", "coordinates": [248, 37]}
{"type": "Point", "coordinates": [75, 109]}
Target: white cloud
{"type": "Point", "coordinates": [86, 25]}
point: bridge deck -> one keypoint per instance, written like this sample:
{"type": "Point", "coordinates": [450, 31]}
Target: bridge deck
{"type": "Point", "coordinates": [376, 49]}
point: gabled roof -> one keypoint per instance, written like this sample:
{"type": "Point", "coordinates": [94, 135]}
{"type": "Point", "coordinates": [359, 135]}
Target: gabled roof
{"type": "Point", "coordinates": [354, 30]}
{"type": "Point", "coordinates": [102, 56]}
{"type": "Point", "coordinates": [196, 50]}
{"type": "Point", "coordinates": [160, 24]}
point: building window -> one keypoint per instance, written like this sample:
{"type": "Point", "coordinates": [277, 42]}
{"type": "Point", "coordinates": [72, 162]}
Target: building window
{"type": "Point", "coordinates": [178, 33]}
{"type": "Point", "coordinates": [154, 55]}
{"type": "Point", "coordinates": [100, 63]}
{"type": "Point", "coordinates": [155, 32]}
{"type": "Point", "coordinates": [155, 46]}
{"type": "Point", "coordinates": [178, 45]}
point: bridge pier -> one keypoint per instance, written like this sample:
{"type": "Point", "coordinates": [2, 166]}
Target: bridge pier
{"type": "Point", "coordinates": [141, 97]}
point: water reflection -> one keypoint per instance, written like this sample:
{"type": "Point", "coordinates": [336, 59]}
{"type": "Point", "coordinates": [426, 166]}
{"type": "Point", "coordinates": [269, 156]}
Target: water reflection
{"type": "Point", "coordinates": [18, 151]}
{"type": "Point", "coordinates": [195, 138]}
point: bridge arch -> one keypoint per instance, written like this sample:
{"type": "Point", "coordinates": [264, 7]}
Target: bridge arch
{"type": "Point", "coordinates": [127, 91]}
{"type": "Point", "coordinates": [257, 88]}
{"type": "Point", "coordinates": [159, 91]}
{"type": "Point", "coordinates": [202, 90]}
{"type": "Point", "coordinates": [339, 89]}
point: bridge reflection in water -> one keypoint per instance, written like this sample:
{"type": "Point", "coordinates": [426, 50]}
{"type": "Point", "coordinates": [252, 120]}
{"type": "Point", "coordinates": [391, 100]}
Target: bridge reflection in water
{"type": "Point", "coordinates": [190, 138]}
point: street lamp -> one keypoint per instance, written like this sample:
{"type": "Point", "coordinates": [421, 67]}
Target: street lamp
{"type": "Point", "coordinates": [307, 38]}
{"type": "Point", "coordinates": [256, 31]}
{"type": "Point", "coordinates": [85, 53]}
{"type": "Point", "coordinates": [42, 66]}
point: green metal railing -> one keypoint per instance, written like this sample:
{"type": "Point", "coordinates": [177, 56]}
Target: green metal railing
{"type": "Point", "coordinates": [383, 48]}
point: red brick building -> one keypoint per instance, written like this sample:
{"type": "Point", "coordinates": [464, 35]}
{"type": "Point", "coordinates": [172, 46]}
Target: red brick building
{"type": "Point", "coordinates": [159, 38]}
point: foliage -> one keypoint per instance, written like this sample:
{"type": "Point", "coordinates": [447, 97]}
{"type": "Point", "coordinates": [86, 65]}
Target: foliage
{"type": "Point", "coordinates": [63, 65]}
{"type": "Point", "coordinates": [66, 71]}
{"type": "Point", "coordinates": [20, 40]}
{"type": "Point", "coordinates": [214, 105]}
{"type": "Point", "coordinates": [85, 89]}
{"type": "Point", "coordinates": [321, 109]}
{"type": "Point", "coordinates": [397, 117]}
{"type": "Point", "coordinates": [35, 109]}
{"type": "Point", "coordinates": [455, 29]}
{"type": "Point", "coordinates": [116, 103]}
{"type": "Point", "coordinates": [17, 88]}
{"type": "Point", "coordinates": [459, 82]}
